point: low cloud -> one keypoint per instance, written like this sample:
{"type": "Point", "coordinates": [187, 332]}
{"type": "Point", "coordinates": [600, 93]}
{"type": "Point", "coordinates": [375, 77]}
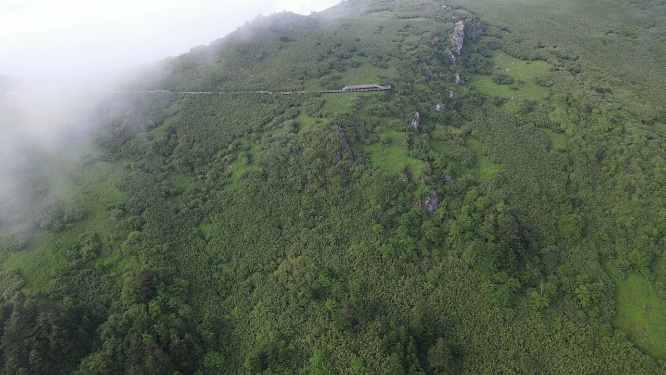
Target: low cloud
{"type": "Point", "coordinates": [46, 38]}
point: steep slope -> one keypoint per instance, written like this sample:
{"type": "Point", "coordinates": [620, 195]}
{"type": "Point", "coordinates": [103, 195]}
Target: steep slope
{"type": "Point", "coordinates": [443, 226]}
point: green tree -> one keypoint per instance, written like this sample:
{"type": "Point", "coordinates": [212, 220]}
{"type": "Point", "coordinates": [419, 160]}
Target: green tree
{"type": "Point", "coordinates": [439, 357]}
{"type": "Point", "coordinates": [639, 259]}
{"type": "Point", "coordinates": [528, 365]}
{"type": "Point", "coordinates": [320, 363]}
{"type": "Point", "coordinates": [541, 297]}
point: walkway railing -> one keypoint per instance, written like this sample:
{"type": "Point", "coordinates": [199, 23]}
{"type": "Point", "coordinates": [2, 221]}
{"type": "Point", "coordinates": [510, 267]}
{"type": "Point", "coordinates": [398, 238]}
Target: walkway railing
{"type": "Point", "coordinates": [343, 90]}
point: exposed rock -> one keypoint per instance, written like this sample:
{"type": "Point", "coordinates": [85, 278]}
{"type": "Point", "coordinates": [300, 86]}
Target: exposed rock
{"type": "Point", "coordinates": [454, 59]}
{"type": "Point", "coordinates": [439, 107]}
{"type": "Point", "coordinates": [428, 72]}
{"type": "Point", "coordinates": [447, 178]}
{"type": "Point", "coordinates": [458, 36]}
{"type": "Point", "coordinates": [415, 121]}
{"type": "Point", "coordinates": [457, 79]}
{"type": "Point", "coordinates": [431, 201]}
{"type": "Point", "coordinates": [477, 29]}
{"type": "Point", "coordinates": [451, 94]}
{"type": "Point", "coordinates": [418, 5]}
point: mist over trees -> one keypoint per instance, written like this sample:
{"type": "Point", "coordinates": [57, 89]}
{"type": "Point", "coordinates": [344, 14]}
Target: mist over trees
{"type": "Point", "coordinates": [489, 213]}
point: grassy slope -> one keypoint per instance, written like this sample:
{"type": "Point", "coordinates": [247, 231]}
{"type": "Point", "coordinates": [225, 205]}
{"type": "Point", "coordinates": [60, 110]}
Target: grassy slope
{"type": "Point", "coordinates": [614, 39]}
{"type": "Point", "coordinates": [483, 166]}
{"type": "Point", "coordinates": [90, 187]}
{"type": "Point", "coordinates": [640, 314]}
{"type": "Point", "coordinates": [97, 186]}
{"type": "Point", "coordinates": [520, 70]}
{"type": "Point", "coordinates": [617, 39]}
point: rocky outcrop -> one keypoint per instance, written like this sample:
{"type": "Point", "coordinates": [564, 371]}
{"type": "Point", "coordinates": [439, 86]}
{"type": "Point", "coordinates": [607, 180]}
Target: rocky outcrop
{"type": "Point", "coordinates": [457, 78]}
{"type": "Point", "coordinates": [458, 36]}
{"type": "Point", "coordinates": [415, 121]}
{"type": "Point", "coordinates": [431, 202]}
{"type": "Point", "coordinates": [477, 29]}
{"type": "Point", "coordinates": [430, 73]}
{"type": "Point", "coordinates": [439, 107]}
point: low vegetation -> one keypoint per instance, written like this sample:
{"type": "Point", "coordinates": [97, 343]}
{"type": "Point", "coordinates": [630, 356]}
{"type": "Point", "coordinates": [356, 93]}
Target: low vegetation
{"type": "Point", "coordinates": [257, 233]}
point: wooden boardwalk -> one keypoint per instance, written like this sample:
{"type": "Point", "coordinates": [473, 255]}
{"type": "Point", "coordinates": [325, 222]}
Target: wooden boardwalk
{"type": "Point", "coordinates": [359, 88]}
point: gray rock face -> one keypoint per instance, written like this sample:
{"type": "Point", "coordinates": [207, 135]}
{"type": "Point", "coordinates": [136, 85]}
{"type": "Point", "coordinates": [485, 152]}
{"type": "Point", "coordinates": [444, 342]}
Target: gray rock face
{"type": "Point", "coordinates": [427, 170]}
{"type": "Point", "coordinates": [457, 78]}
{"type": "Point", "coordinates": [428, 72]}
{"type": "Point", "coordinates": [439, 107]}
{"type": "Point", "coordinates": [454, 60]}
{"type": "Point", "coordinates": [458, 36]}
{"type": "Point", "coordinates": [477, 29]}
{"type": "Point", "coordinates": [431, 201]}
{"type": "Point", "coordinates": [415, 121]}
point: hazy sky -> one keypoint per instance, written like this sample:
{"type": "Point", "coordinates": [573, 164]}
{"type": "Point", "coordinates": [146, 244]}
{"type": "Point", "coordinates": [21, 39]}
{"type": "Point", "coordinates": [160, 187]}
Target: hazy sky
{"type": "Point", "coordinates": [64, 37]}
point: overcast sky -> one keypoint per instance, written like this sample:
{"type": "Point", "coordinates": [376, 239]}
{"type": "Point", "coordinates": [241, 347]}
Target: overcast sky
{"type": "Point", "coordinates": [65, 37]}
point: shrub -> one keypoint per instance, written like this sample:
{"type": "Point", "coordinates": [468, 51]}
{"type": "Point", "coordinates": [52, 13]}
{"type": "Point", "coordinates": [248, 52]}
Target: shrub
{"type": "Point", "coordinates": [291, 113]}
{"type": "Point", "coordinates": [495, 44]}
{"type": "Point", "coordinates": [502, 79]}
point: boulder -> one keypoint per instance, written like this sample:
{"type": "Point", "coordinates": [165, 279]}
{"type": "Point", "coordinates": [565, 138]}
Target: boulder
{"type": "Point", "coordinates": [415, 121]}
{"type": "Point", "coordinates": [431, 202]}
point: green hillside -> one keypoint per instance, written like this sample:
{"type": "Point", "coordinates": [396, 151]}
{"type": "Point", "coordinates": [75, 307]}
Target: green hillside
{"type": "Point", "coordinates": [510, 222]}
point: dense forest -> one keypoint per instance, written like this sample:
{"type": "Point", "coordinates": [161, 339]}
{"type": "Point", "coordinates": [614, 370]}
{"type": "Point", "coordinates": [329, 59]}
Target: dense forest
{"type": "Point", "coordinates": [500, 210]}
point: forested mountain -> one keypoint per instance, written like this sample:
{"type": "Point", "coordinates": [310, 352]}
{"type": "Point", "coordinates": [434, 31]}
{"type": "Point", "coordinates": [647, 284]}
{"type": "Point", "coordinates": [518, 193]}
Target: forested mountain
{"type": "Point", "coordinates": [501, 209]}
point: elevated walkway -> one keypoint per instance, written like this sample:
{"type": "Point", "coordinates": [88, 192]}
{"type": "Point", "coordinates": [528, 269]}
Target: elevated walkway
{"type": "Point", "coordinates": [357, 88]}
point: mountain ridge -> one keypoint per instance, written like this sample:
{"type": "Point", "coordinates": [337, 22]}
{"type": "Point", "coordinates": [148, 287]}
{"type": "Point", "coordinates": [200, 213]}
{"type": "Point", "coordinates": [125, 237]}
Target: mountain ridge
{"type": "Point", "coordinates": [323, 234]}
